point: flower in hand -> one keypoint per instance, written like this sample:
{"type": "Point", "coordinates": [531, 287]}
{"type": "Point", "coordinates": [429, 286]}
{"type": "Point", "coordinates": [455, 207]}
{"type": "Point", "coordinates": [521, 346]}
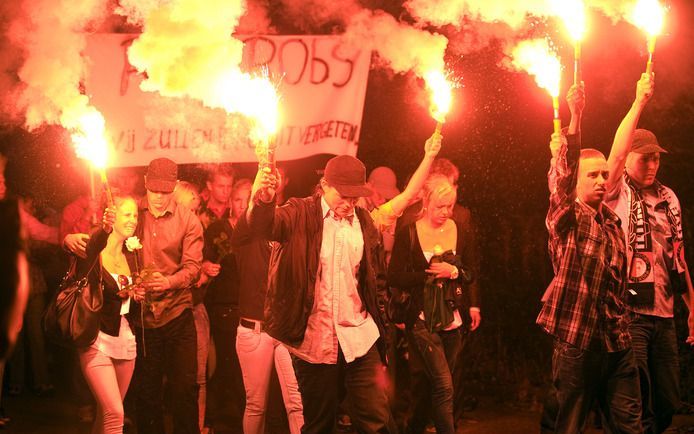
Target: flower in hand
{"type": "Point", "coordinates": [132, 244]}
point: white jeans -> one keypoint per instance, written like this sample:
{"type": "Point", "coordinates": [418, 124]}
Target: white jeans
{"type": "Point", "coordinates": [109, 380]}
{"type": "Point", "coordinates": [257, 353]}
{"type": "Point", "coordinates": [202, 329]}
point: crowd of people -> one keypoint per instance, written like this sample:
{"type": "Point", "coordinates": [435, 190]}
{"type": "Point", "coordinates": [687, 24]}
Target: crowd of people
{"type": "Point", "coordinates": [218, 300]}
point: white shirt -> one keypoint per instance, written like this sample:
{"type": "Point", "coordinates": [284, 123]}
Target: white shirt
{"type": "Point", "coordinates": [338, 316]}
{"type": "Point", "coordinates": [123, 346]}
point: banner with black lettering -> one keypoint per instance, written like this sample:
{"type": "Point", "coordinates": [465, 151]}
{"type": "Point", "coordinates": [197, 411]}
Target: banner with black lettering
{"type": "Point", "coordinates": [323, 85]}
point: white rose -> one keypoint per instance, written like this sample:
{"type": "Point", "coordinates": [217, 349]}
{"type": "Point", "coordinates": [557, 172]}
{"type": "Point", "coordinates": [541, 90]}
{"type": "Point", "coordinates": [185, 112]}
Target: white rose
{"type": "Point", "coordinates": [132, 244]}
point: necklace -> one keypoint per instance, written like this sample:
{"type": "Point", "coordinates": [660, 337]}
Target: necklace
{"type": "Point", "coordinates": [117, 260]}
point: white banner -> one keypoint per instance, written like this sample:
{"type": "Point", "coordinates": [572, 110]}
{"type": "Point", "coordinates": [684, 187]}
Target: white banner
{"type": "Point", "coordinates": [323, 87]}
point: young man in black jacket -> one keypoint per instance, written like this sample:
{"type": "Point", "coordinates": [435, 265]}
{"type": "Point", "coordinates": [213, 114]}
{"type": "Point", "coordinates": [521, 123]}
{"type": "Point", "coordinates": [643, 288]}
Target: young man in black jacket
{"type": "Point", "coordinates": [323, 300]}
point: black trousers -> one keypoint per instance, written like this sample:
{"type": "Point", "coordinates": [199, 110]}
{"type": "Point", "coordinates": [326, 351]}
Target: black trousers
{"type": "Point", "coordinates": [171, 351]}
{"type": "Point", "coordinates": [655, 347]}
{"type": "Point", "coordinates": [364, 382]}
{"type": "Point", "coordinates": [226, 396]}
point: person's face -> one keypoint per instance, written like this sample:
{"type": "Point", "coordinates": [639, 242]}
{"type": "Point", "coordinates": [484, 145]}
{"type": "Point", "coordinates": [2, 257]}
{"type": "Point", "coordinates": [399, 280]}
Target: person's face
{"type": "Point", "coordinates": [220, 188]}
{"type": "Point", "coordinates": [341, 206]}
{"type": "Point", "coordinates": [440, 210]}
{"type": "Point", "coordinates": [592, 176]}
{"type": "Point", "coordinates": [126, 218]}
{"type": "Point", "coordinates": [239, 201]}
{"type": "Point", "coordinates": [191, 201]}
{"type": "Point", "coordinates": [643, 168]}
{"type": "Point", "coordinates": [126, 182]}
{"type": "Point", "coordinates": [158, 201]}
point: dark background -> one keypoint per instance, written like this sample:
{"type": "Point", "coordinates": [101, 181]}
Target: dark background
{"type": "Point", "coordinates": [497, 134]}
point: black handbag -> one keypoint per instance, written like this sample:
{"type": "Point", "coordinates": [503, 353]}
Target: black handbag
{"type": "Point", "coordinates": [72, 318]}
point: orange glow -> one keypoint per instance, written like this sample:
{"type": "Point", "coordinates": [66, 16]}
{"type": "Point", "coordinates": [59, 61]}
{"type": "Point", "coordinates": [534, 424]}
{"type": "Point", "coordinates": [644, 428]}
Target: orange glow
{"type": "Point", "coordinates": [253, 96]}
{"type": "Point", "coordinates": [537, 59]}
{"type": "Point", "coordinates": [441, 94]}
{"type": "Point", "coordinates": [573, 13]}
{"type": "Point", "coordinates": [649, 15]}
{"type": "Point", "coordinates": [89, 138]}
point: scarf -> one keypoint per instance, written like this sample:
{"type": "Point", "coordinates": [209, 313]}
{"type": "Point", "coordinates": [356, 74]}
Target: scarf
{"type": "Point", "coordinates": [641, 284]}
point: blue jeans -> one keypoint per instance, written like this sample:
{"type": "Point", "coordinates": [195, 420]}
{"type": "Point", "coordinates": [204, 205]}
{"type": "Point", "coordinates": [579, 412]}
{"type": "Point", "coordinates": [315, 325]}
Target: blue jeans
{"type": "Point", "coordinates": [581, 376]}
{"type": "Point", "coordinates": [433, 357]}
{"type": "Point", "coordinates": [655, 347]}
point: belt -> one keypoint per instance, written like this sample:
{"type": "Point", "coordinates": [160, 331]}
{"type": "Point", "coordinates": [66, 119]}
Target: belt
{"type": "Point", "coordinates": [251, 324]}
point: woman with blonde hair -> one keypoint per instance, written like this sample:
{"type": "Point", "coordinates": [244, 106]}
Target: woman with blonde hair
{"type": "Point", "coordinates": [108, 363]}
{"type": "Point", "coordinates": [428, 269]}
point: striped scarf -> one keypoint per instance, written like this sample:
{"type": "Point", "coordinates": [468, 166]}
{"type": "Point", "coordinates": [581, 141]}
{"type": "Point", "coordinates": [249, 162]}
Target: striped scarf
{"type": "Point", "coordinates": [641, 283]}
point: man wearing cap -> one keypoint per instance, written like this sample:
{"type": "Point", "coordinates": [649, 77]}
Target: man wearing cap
{"type": "Point", "coordinates": [172, 241]}
{"type": "Point", "coordinates": [652, 224]}
{"type": "Point", "coordinates": [323, 301]}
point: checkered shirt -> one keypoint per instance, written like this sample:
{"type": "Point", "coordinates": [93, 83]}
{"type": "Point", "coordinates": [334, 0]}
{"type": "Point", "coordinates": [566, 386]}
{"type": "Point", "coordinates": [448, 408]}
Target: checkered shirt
{"type": "Point", "coordinates": [583, 304]}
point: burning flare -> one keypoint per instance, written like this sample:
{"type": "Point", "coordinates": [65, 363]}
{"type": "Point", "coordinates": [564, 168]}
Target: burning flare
{"type": "Point", "coordinates": [537, 59]}
{"type": "Point", "coordinates": [573, 13]}
{"type": "Point", "coordinates": [649, 15]}
{"type": "Point", "coordinates": [441, 94]}
{"type": "Point", "coordinates": [89, 138]}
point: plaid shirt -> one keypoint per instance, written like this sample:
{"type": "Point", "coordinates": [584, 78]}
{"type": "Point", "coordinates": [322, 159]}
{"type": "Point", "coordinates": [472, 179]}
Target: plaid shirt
{"type": "Point", "coordinates": [583, 304]}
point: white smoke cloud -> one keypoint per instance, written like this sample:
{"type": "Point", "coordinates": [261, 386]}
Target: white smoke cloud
{"type": "Point", "coordinates": [400, 47]}
{"type": "Point", "coordinates": [51, 36]}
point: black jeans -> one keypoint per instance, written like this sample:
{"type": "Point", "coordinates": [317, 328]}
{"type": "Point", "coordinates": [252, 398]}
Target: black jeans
{"type": "Point", "coordinates": [171, 351]}
{"type": "Point", "coordinates": [581, 376]}
{"type": "Point", "coordinates": [433, 357]}
{"type": "Point", "coordinates": [363, 380]}
{"type": "Point", "coordinates": [226, 396]}
{"type": "Point", "coordinates": [655, 347]}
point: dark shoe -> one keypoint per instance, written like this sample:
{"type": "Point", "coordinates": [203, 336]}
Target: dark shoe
{"type": "Point", "coordinates": [14, 390]}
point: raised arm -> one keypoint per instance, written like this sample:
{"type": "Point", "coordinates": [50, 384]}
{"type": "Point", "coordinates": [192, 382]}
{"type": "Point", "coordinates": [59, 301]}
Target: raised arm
{"type": "Point", "coordinates": [562, 175]}
{"type": "Point", "coordinates": [431, 150]}
{"type": "Point", "coordinates": [625, 133]}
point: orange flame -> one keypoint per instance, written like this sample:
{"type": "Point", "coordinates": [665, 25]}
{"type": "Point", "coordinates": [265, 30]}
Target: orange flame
{"type": "Point", "coordinates": [441, 94]}
{"type": "Point", "coordinates": [536, 58]}
{"type": "Point", "coordinates": [649, 15]}
{"type": "Point", "coordinates": [89, 138]}
{"type": "Point", "coordinates": [573, 13]}
{"type": "Point", "coordinates": [253, 96]}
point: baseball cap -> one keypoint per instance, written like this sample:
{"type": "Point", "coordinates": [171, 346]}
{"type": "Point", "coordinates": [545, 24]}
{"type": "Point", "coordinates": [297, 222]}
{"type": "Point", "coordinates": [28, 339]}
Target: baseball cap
{"type": "Point", "coordinates": [645, 142]}
{"type": "Point", "coordinates": [348, 175]}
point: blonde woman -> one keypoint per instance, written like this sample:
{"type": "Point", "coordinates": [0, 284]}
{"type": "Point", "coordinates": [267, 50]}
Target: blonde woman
{"type": "Point", "coordinates": [108, 363]}
{"type": "Point", "coordinates": [429, 260]}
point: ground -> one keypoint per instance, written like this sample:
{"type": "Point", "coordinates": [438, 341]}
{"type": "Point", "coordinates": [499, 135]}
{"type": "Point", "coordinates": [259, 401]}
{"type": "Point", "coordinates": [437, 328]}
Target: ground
{"type": "Point", "coordinates": [57, 414]}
